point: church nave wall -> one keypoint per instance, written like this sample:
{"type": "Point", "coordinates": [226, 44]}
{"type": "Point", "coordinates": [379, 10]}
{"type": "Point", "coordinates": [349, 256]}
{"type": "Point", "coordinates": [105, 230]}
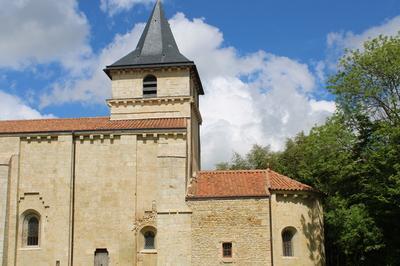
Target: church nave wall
{"type": "Point", "coordinates": [44, 190]}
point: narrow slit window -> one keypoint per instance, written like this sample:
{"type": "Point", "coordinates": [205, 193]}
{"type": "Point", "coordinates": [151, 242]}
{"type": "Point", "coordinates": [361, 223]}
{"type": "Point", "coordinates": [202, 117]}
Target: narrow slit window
{"type": "Point", "coordinates": [227, 250]}
{"type": "Point", "coordinates": [150, 86]}
{"type": "Point", "coordinates": [33, 232]}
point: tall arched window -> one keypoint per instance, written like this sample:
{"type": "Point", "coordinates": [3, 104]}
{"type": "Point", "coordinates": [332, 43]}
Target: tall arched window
{"type": "Point", "coordinates": [287, 240]}
{"type": "Point", "coordinates": [31, 230]}
{"type": "Point", "coordinates": [150, 86]}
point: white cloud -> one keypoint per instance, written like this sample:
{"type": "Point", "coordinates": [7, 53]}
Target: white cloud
{"type": "Point", "coordinates": [255, 98]}
{"type": "Point", "coordinates": [337, 42]}
{"type": "Point", "coordinates": [322, 105]}
{"type": "Point", "coordinates": [96, 87]}
{"type": "Point", "coordinates": [42, 31]}
{"type": "Point", "coordinates": [12, 107]}
{"type": "Point", "coordinates": [113, 7]}
{"type": "Point", "coordinates": [353, 41]}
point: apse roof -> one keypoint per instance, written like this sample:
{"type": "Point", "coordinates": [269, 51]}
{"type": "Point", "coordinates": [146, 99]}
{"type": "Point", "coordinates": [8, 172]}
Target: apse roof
{"type": "Point", "coordinates": [242, 183]}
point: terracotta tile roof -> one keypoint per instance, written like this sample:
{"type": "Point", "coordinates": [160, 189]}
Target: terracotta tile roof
{"type": "Point", "coordinates": [87, 124]}
{"type": "Point", "coordinates": [281, 182]}
{"type": "Point", "coordinates": [229, 183]}
{"type": "Point", "coordinates": [241, 183]}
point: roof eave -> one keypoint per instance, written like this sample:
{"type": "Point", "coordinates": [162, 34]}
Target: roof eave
{"type": "Point", "coordinates": [296, 191]}
{"type": "Point", "coordinates": [232, 197]}
{"type": "Point", "coordinates": [155, 65]}
{"type": "Point", "coordinates": [97, 131]}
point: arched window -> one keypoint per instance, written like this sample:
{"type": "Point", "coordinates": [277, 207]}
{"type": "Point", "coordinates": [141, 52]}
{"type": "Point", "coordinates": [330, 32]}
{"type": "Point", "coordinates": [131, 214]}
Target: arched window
{"type": "Point", "coordinates": [150, 86]}
{"type": "Point", "coordinates": [31, 230]}
{"type": "Point", "coordinates": [287, 240]}
{"type": "Point", "coordinates": [149, 240]}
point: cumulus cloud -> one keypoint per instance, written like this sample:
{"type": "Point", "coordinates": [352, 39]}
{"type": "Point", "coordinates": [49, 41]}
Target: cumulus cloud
{"type": "Point", "coordinates": [96, 86]}
{"type": "Point", "coordinates": [42, 31]}
{"type": "Point", "coordinates": [113, 7]}
{"type": "Point", "coordinates": [12, 107]}
{"type": "Point", "coordinates": [256, 98]}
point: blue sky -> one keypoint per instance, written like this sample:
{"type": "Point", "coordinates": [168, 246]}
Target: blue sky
{"type": "Point", "coordinates": [264, 63]}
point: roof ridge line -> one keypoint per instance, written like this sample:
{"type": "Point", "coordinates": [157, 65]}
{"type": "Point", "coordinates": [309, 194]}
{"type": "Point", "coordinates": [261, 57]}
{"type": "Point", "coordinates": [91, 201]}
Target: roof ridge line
{"type": "Point", "coordinates": [53, 119]}
{"type": "Point", "coordinates": [268, 180]}
{"type": "Point", "coordinates": [233, 171]}
{"type": "Point", "coordinates": [87, 118]}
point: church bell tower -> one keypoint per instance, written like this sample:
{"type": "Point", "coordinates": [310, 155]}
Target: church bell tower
{"type": "Point", "coordinates": [155, 81]}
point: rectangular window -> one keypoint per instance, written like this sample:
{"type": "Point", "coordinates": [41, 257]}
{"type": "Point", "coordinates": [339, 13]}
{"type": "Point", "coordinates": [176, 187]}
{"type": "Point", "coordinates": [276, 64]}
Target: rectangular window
{"type": "Point", "coordinates": [227, 250]}
{"type": "Point", "coordinates": [101, 257]}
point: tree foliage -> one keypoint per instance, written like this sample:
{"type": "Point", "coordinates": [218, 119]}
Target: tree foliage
{"type": "Point", "coordinates": [368, 81]}
{"type": "Point", "coordinates": [354, 158]}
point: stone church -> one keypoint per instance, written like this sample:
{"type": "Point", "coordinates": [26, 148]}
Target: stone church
{"type": "Point", "coordinates": [128, 189]}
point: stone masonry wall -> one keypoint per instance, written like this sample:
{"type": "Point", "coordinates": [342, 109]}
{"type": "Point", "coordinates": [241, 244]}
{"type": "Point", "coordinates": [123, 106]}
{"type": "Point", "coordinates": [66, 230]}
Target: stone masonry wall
{"type": "Point", "coordinates": [9, 149]}
{"type": "Point", "coordinates": [303, 212]}
{"type": "Point", "coordinates": [105, 185]}
{"type": "Point", "coordinates": [173, 95]}
{"type": "Point", "coordinates": [161, 175]}
{"type": "Point", "coordinates": [169, 83]}
{"type": "Point", "coordinates": [3, 201]}
{"type": "Point", "coordinates": [244, 222]}
{"type": "Point", "coordinates": [45, 189]}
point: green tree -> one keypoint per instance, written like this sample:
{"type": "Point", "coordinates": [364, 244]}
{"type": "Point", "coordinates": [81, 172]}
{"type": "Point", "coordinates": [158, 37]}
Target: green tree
{"type": "Point", "coordinates": [259, 157]}
{"type": "Point", "coordinates": [367, 88]}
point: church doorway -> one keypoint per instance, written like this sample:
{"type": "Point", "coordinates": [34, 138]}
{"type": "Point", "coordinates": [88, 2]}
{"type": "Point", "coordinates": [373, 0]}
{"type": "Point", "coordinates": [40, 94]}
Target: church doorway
{"type": "Point", "coordinates": [101, 257]}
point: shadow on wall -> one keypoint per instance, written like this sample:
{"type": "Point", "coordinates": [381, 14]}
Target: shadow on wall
{"type": "Point", "coordinates": [314, 232]}
{"type": "Point", "coordinates": [312, 226]}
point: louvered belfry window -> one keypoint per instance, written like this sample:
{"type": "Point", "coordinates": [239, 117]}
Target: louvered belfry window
{"type": "Point", "coordinates": [149, 240]}
{"type": "Point", "coordinates": [150, 86]}
{"type": "Point", "coordinates": [33, 232]}
{"type": "Point", "coordinates": [287, 239]}
{"type": "Point", "coordinates": [227, 250]}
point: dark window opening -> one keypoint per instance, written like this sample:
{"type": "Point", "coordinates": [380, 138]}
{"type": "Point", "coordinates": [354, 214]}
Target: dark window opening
{"type": "Point", "coordinates": [227, 250]}
{"type": "Point", "coordinates": [149, 240]}
{"type": "Point", "coordinates": [150, 86]}
{"type": "Point", "coordinates": [287, 239]}
{"type": "Point", "coordinates": [101, 257]}
{"type": "Point", "coordinates": [33, 232]}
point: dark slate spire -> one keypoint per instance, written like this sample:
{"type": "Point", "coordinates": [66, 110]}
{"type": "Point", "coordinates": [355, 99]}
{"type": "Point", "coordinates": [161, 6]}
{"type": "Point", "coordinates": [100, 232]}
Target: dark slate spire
{"type": "Point", "coordinates": [157, 45]}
